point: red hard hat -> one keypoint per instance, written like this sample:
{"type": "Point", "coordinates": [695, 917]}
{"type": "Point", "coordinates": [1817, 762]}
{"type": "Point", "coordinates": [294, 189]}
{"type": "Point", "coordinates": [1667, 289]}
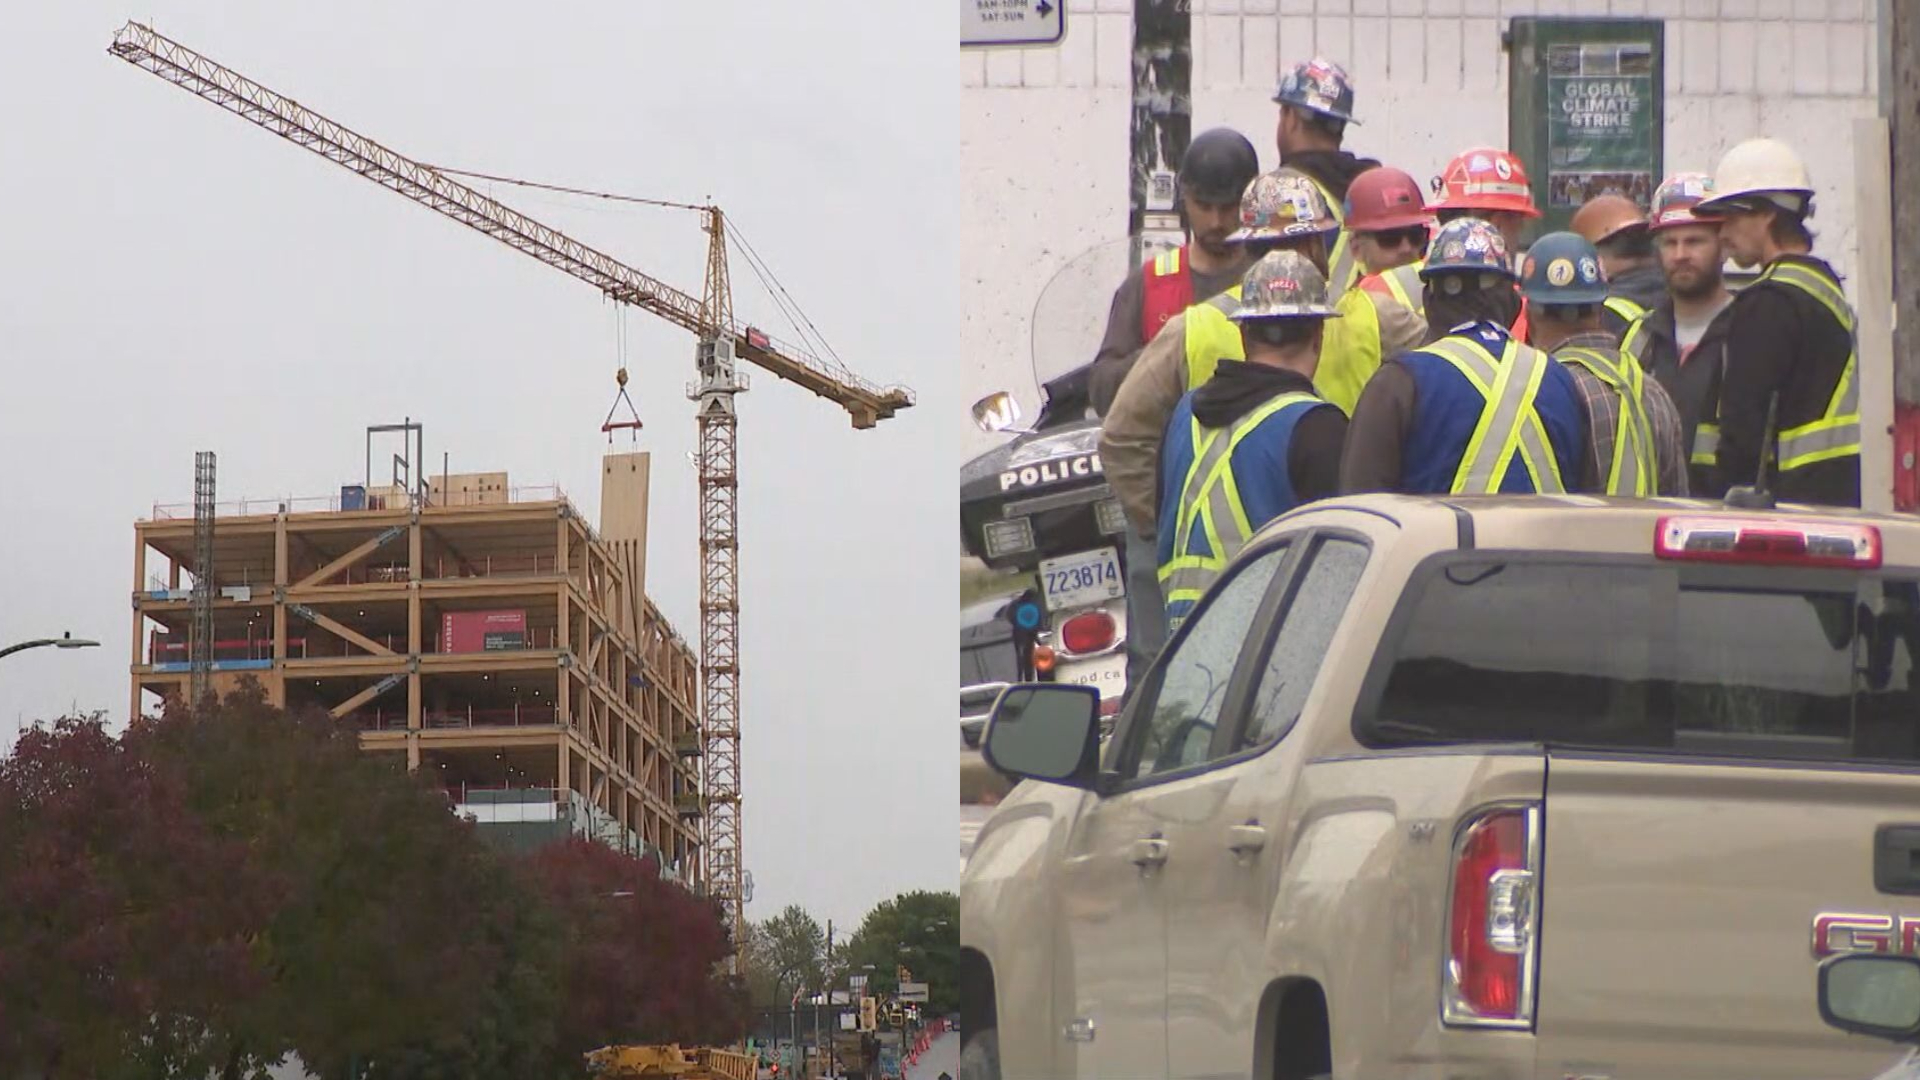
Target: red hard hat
{"type": "Point", "coordinates": [1384, 198]}
{"type": "Point", "coordinates": [1485, 179]}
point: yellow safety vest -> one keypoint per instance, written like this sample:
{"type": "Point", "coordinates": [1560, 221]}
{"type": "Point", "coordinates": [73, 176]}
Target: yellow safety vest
{"type": "Point", "coordinates": [1623, 307]}
{"type": "Point", "coordinates": [1212, 337]}
{"type": "Point", "coordinates": [1633, 469]}
{"type": "Point", "coordinates": [1210, 499]}
{"type": "Point", "coordinates": [1509, 424]}
{"type": "Point", "coordinates": [1837, 433]}
{"type": "Point", "coordinates": [1405, 285]}
{"type": "Point", "coordinates": [1343, 270]}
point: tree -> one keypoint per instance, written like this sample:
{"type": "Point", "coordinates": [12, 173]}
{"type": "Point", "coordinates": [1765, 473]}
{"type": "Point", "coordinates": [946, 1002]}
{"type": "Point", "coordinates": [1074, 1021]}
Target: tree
{"type": "Point", "coordinates": [397, 928]}
{"type": "Point", "coordinates": [919, 931]}
{"type": "Point", "coordinates": [638, 953]}
{"type": "Point", "coordinates": [788, 954]}
{"type": "Point", "coordinates": [128, 931]}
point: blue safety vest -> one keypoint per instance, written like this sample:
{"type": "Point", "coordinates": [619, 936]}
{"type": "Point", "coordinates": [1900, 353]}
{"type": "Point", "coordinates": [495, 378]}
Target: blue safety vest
{"type": "Point", "coordinates": [1491, 415]}
{"type": "Point", "coordinates": [1220, 485]}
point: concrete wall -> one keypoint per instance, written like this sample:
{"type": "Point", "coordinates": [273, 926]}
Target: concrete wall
{"type": "Point", "coordinates": [1044, 132]}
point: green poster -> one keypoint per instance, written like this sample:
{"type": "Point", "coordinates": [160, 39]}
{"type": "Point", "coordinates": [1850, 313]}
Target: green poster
{"type": "Point", "coordinates": [1600, 134]}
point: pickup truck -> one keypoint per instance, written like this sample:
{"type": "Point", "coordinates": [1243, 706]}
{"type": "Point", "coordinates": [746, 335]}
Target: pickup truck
{"type": "Point", "coordinates": [1490, 787]}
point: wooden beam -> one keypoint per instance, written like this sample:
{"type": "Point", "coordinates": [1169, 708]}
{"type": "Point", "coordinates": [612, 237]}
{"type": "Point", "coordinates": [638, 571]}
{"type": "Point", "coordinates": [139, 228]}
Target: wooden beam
{"type": "Point", "coordinates": [364, 696]}
{"type": "Point", "coordinates": [1899, 26]}
{"type": "Point", "coordinates": [343, 630]}
{"type": "Point", "coordinates": [343, 562]}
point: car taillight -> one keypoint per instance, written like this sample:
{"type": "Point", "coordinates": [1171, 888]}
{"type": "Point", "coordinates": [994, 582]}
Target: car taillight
{"type": "Point", "coordinates": [1087, 632]}
{"type": "Point", "coordinates": [1491, 921]}
{"type": "Point", "coordinates": [1768, 541]}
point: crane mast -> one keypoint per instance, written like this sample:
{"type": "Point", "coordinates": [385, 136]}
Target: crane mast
{"type": "Point", "coordinates": [722, 343]}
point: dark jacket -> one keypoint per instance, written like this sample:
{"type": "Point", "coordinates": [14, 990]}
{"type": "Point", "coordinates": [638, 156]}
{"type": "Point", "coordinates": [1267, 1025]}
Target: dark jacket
{"type": "Point", "coordinates": [1693, 384]}
{"type": "Point", "coordinates": [1334, 169]}
{"type": "Point", "coordinates": [1782, 340]}
{"type": "Point", "coordinates": [1645, 286]}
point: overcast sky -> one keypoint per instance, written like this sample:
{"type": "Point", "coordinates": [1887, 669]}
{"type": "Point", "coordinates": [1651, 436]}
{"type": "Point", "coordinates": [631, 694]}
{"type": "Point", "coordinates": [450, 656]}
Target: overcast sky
{"type": "Point", "coordinates": [176, 279]}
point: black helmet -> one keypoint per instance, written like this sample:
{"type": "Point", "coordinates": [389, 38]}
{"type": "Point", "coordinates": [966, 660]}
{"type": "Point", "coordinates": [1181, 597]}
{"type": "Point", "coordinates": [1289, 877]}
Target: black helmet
{"type": "Point", "coordinates": [1218, 166]}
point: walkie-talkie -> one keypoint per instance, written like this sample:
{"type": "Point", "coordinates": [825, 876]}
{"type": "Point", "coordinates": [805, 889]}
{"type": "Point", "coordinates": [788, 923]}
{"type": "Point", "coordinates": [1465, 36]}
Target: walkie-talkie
{"type": "Point", "coordinates": [1758, 497]}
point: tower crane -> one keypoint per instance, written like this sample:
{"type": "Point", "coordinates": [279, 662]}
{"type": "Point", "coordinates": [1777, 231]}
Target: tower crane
{"type": "Point", "coordinates": [722, 343]}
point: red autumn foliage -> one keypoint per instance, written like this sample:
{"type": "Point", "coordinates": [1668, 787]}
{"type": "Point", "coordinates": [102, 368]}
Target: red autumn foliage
{"type": "Point", "coordinates": [121, 911]}
{"type": "Point", "coordinates": [638, 968]}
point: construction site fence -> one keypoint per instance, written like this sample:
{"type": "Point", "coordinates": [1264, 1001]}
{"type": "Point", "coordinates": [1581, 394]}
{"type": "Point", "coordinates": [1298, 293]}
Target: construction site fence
{"type": "Point", "coordinates": [728, 1065]}
{"type": "Point", "coordinates": [374, 500]}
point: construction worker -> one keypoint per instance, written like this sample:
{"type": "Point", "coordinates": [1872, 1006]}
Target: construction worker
{"type": "Point", "coordinates": [1316, 105]}
{"type": "Point", "coordinates": [1633, 430]}
{"type": "Point", "coordinates": [1790, 338]}
{"type": "Point", "coordinates": [1478, 410]}
{"type": "Point", "coordinates": [1214, 172]}
{"type": "Point", "coordinates": [1254, 441]}
{"type": "Point", "coordinates": [1388, 226]}
{"type": "Point", "coordinates": [1618, 230]}
{"type": "Point", "coordinates": [1282, 210]}
{"type": "Point", "coordinates": [1682, 341]}
{"type": "Point", "coordinates": [1491, 185]}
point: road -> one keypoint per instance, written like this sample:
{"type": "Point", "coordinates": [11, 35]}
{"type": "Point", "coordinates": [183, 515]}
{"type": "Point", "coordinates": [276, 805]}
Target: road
{"type": "Point", "coordinates": [942, 1056]}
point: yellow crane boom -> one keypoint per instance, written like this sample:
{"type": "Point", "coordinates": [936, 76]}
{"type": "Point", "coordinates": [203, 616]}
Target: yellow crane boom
{"type": "Point", "coordinates": [141, 46]}
{"type": "Point", "coordinates": [722, 342]}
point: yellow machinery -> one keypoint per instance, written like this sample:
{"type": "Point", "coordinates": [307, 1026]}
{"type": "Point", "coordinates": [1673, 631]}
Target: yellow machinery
{"type": "Point", "coordinates": [668, 1063]}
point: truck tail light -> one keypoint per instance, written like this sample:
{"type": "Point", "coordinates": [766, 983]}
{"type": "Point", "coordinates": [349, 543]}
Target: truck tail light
{"type": "Point", "coordinates": [1087, 632]}
{"type": "Point", "coordinates": [1781, 541]}
{"type": "Point", "coordinates": [1492, 920]}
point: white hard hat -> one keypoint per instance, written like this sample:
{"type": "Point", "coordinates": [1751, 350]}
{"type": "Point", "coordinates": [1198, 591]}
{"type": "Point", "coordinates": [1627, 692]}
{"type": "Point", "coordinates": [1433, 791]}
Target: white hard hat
{"type": "Point", "coordinates": [1759, 169]}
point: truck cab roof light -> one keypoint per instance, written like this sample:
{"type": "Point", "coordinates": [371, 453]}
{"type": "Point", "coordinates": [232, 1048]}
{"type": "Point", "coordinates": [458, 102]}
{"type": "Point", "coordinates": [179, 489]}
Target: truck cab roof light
{"type": "Point", "coordinates": [1763, 541]}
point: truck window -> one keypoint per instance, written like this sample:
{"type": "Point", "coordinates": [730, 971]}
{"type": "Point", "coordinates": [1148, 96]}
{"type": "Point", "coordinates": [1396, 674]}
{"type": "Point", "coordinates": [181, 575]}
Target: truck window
{"type": "Point", "coordinates": [1173, 728]}
{"type": "Point", "coordinates": [1306, 626]}
{"type": "Point", "coordinates": [1641, 655]}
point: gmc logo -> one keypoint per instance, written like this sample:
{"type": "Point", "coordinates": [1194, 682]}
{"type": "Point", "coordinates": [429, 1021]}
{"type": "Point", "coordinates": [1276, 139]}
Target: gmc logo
{"type": "Point", "coordinates": [1835, 933]}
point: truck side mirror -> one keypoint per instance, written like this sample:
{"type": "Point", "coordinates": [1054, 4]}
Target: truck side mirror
{"type": "Point", "coordinates": [1048, 732]}
{"type": "Point", "coordinates": [1872, 994]}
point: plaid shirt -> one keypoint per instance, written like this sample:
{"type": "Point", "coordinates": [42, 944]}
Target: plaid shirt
{"type": "Point", "coordinates": [1603, 421]}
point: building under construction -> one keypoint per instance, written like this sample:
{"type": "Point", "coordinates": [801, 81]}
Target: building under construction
{"type": "Point", "coordinates": [485, 632]}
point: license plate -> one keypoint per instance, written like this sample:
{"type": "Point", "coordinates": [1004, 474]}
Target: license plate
{"type": "Point", "coordinates": [1079, 580]}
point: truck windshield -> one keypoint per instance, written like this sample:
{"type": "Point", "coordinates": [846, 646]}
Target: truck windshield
{"type": "Point", "coordinates": [1640, 655]}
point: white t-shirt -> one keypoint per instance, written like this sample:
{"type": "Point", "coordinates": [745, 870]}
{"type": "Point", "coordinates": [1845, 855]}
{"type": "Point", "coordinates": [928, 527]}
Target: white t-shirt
{"type": "Point", "coordinates": [1688, 332]}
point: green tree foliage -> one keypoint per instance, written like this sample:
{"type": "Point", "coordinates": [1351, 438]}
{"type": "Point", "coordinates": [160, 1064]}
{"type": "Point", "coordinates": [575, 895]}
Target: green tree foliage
{"type": "Point", "coordinates": [919, 931]}
{"type": "Point", "coordinates": [786, 954]}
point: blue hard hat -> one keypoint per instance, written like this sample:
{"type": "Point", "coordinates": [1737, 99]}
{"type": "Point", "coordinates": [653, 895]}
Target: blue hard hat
{"type": "Point", "coordinates": [1320, 86]}
{"type": "Point", "coordinates": [1562, 268]}
{"type": "Point", "coordinates": [1467, 245]}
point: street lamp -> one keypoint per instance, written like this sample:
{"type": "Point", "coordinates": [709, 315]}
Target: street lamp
{"type": "Point", "coordinates": [64, 641]}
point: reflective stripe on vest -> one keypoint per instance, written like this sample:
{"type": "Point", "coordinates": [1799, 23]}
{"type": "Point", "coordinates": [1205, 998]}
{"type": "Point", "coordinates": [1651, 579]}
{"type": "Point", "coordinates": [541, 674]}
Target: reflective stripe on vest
{"type": "Point", "coordinates": [1706, 444]}
{"type": "Point", "coordinates": [1167, 263]}
{"type": "Point", "coordinates": [1343, 270]}
{"type": "Point", "coordinates": [1405, 285]}
{"type": "Point", "coordinates": [1634, 338]}
{"type": "Point", "coordinates": [1210, 498]}
{"type": "Point", "coordinates": [1631, 472]}
{"type": "Point", "coordinates": [1212, 337]}
{"type": "Point", "coordinates": [1837, 433]}
{"type": "Point", "coordinates": [1509, 424]}
{"type": "Point", "coordinates": [1623, 307]}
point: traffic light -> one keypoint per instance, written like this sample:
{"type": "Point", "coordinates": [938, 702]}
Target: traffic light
{"type": "Point", "coordinates": [868, 1014]}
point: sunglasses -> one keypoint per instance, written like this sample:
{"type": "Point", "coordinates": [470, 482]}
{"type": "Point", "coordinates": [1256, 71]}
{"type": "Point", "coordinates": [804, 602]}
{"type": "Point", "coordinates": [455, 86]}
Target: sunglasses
{"type": "Point", "coordinates": [1412, 236]}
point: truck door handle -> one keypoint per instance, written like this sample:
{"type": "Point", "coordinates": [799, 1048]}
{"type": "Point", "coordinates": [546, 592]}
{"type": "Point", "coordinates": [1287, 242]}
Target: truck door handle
{"type": "Point", "coordinates": [1149, 852]}
{"type": "Point", "coordinates": [1896, 859]}
{"type": "Point", "coordinates": [1245, 840]}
